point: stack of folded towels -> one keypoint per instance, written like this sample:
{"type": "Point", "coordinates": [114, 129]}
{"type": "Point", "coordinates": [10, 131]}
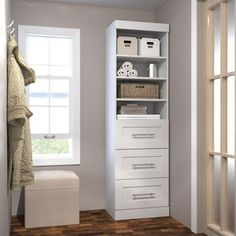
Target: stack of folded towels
{"type": "Point", "coordinates": [133, 109]}
{"type": "Point", "coordinates": [126, 70]}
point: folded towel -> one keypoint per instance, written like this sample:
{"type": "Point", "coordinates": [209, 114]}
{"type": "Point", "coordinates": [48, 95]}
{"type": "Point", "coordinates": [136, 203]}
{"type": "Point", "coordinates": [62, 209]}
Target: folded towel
{"type": "Point", "coordinates": [127, 65]}
{"type": "Point", "coordinates": [132, 73]}
{"type": "Point", "coordinates": [133, 109]}
{"type": "Point", "coordinates": [122, 72]}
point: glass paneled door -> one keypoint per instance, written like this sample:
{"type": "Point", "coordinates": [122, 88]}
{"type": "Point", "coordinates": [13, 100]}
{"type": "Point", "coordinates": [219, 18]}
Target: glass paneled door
{"type": "Point", "coordinates": [221, 117]}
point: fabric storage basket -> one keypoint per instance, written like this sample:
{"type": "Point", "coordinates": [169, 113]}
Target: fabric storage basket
{"type": "Point", "coordinates": [149, 47]}
{"type": "Point", "coordinates": [138, 91]}
{"type": "Point", "coordinates": [127, 45]}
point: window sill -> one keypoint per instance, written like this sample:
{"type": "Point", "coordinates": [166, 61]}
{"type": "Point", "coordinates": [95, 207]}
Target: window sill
{"type": "Point", "coordinates": [55, 162]}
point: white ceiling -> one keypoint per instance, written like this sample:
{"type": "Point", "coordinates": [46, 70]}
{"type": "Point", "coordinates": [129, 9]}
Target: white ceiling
{"type": "Point", "coordinates": [134, 4]}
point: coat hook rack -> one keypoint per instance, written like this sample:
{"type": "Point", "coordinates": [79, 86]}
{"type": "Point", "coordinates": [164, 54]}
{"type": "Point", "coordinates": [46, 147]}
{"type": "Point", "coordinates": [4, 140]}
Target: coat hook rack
{"type": "Point", "coordinates": [12, 30]}
{"type": "Point", "coordinates": [11, 24]}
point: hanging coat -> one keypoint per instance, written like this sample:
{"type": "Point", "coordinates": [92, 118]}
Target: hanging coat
{"type": "Point", "coordinates": [20, 168]}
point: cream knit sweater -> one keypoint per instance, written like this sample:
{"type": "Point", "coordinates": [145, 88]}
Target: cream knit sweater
{"type": "Point", "coordinates": [19, 137]}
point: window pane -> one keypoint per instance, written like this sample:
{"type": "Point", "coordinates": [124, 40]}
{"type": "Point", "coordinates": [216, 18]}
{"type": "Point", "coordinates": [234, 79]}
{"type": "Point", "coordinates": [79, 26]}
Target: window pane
{"type": "Point", "coordinates": [39, 93]}
{"type": "Point", "coordinates": [37, 49]}
{"type": "Point", "coordinates": [59, 120]}
{"type": "Point", "coordinates": [217, 179]}
{"type": "Point", "coordinates": [61, 51]}
{"type": "Point", "coordinates": [231, 35]}
{"type": "Point", "coordinates": [231, 115]}
{"type": "Point", "coordinates": [217, 40]}
{"type": "Point", "coordinates": [60, 71]}
{"type": "Point", "coordinates": [39, 120]}
{"type": "Point", "coordinates": [41, 71]}
{"type": "Point", "coordinates": [51, 146]}
{"type": "Point", "coordinates": [59, 92]}
{"type": "Point", "coordinates": [217, 115]}
{"type": "Point", "coordinates": [231, 193]}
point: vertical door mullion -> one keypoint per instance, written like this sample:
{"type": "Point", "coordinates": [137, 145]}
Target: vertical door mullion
{"type": "Point", "coordinates": [210, 119]}
{"type": "Point", "coordinates": [223, 169]}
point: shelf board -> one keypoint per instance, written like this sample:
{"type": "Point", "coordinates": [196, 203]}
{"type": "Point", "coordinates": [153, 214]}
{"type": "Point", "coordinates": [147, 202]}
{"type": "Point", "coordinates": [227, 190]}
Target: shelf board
{"type": "Point", "coordinates": [140, 79]}
{"type": "Point", "coordinates": [140, 100]}
{"type": "Point", "coordinates": [138, 58]}
{"type": "Point", "coordinates": [138, 117]}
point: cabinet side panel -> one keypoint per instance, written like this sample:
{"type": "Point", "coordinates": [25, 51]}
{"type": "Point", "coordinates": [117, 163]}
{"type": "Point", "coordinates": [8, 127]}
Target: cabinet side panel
{"type": "Point", "coordinates": [110, 101]}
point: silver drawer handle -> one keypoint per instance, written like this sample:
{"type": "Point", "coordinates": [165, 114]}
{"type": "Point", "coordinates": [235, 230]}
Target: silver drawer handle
{"type": "Point", "coordinates": [142, 196]}
{"type": "Point", "coordinates": [143, 135]}
{"type": "Point", "coordinates": [49, 136]}
{"type": "Point", "coordinates": [144, 166]}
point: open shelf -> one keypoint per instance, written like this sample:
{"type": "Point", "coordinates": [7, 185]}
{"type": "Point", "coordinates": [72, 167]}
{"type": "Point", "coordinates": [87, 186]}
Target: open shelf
{"type": "Point", "coordinates": [138, 58]}
{"type": "Point", "coordinates": [143, 79]}
{"type": "Point", "coordinates": [138, 117]}
{"type": "Point", "coordinates": [140, 100]}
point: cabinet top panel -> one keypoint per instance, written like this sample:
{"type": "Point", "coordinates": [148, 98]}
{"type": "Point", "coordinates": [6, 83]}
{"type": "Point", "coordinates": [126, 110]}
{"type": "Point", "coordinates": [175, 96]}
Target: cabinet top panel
{"type": "Point", "coordinates": [140, 26]}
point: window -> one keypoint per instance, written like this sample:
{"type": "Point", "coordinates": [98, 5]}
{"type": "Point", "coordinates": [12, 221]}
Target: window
{"type": "Point", "coordinates": [54, 98]}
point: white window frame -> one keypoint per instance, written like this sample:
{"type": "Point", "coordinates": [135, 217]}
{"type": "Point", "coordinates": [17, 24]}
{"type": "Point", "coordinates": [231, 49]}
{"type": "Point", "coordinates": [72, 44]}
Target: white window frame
{"type": "Point", "coordinates": [221, 228]}
{"type": "Point", "coordinates": [53, 160]}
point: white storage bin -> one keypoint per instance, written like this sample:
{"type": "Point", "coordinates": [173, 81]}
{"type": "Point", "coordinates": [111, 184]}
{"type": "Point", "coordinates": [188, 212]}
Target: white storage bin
{"type": "Point", "coordinates": [52, 200]}
{"type": "Point", "coordinates": [127, 45]}
{"type": "Point", "coordinates": [149, 47]}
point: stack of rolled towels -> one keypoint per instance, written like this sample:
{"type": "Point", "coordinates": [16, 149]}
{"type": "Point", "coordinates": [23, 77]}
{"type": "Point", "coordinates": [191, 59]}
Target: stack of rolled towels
{"type": "Point", "coordinates": [127, 70]}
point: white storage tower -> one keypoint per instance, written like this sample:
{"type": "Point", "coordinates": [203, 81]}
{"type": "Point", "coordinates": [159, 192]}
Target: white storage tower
{"type": "Point", "coordinates": [137, 148]}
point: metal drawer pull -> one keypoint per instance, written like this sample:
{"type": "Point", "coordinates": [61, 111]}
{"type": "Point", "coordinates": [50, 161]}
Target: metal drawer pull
{"type": "Point", "coordinates": [144, 166]}
{"type": "Point", "coordinates": [143, 135]}
{"type": "Point", "coordinates": [141, 196]}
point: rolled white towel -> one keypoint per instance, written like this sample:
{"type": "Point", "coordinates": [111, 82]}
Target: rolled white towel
{"type": "Point", "coordinates": [122, 72]}
{"type": "Point", "coordinates": [127, 65]}
{"type": "Point", "coordinates": [132, 73]}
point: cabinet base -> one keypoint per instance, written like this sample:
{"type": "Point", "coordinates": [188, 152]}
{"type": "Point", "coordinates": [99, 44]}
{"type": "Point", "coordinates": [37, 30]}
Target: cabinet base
{"type": "Point", "coordinates": [141, 213]}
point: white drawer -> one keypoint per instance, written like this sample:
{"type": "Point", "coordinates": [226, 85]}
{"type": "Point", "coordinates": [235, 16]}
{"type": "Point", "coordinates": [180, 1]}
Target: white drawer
{"type": "Point", "coordinates": [132, 134]}
{"type": "Point", "coordinates": [141, 193]}
{"type": "Point", "coordinates": [141, 163]}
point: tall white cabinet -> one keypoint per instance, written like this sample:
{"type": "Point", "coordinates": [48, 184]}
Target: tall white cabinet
{"type": "Point", "coordinates": [137, 149]}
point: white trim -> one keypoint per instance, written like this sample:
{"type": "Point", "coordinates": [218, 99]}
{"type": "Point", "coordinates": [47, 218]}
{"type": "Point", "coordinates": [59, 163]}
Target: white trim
{"type": "Point", "coordinates": [140, 26]}
{"type": "Point", "coordinates": [126, 214]}
{"type": "Point", "coordinates": [24, 30]}
{"type": "Point", "coordinates": [194, 198]}
{"type": "Point", "coordinates": [235, 116]}
{"type": "Point", "coordinates": [215, 230]}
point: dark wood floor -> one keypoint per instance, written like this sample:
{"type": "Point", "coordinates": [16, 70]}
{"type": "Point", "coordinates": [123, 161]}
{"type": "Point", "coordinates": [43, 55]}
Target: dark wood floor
{"type": "Point", "coordinates": [100, 223]}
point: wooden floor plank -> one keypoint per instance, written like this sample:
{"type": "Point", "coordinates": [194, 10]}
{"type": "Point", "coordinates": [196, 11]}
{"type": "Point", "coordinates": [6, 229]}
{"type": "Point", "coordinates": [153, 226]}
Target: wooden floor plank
{"type": "Point", "coordinates": [99, 223]}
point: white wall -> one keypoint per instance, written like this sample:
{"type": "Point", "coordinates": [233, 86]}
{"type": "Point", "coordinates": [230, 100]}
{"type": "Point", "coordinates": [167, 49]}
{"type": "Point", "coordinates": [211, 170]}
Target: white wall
{"type": "Point", "coordinates": [178, 15]}
{"type": "Point", "coordinates": [93, 22]}
{"type": "Point", "coordinates": [4, 197]}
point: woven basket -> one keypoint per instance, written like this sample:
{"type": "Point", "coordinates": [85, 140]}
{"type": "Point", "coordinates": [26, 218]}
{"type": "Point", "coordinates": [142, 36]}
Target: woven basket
{"type": "Point", "coordinates": [138, 91]}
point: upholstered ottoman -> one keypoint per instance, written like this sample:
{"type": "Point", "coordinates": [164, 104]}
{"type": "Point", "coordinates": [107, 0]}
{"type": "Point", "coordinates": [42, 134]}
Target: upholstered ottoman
{"type": "Point", "coordinates": [52, 200]}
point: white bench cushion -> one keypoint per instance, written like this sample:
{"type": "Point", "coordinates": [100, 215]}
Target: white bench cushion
{"type": "Point", "coordinates": [54, 179]}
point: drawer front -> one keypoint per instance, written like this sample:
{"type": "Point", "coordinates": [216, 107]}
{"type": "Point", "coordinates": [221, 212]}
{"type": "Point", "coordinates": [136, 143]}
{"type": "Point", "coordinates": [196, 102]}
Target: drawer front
{"type": "Point", "coordinates": [141, 193]}
{"type": "Point", "coordinates": [133, 134]}
{"type": "Point", "coordinates": [146, 163]}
